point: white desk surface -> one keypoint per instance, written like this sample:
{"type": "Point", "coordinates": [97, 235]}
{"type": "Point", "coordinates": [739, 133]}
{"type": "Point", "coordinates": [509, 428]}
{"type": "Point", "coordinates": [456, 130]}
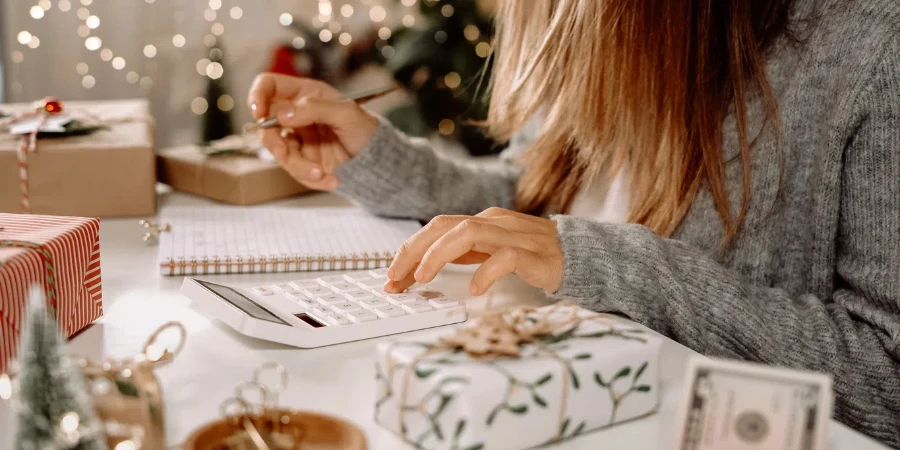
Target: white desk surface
{"type": "Point", "coordinates": [338, 380]}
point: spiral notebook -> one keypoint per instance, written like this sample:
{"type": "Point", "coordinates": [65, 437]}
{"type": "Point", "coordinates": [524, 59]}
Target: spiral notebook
{"type": "Point", "coordinates": [233, 240]}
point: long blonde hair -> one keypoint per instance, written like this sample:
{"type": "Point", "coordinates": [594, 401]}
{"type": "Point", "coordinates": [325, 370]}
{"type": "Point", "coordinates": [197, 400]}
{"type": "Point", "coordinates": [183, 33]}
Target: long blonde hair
{"type": "Point", "coordinates": [642, 82]}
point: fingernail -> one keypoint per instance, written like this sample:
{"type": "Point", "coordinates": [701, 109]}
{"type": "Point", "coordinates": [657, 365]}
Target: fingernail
{"type": "Point", "coordinates": [473, 289]}
{"type": "Point", "coordinates": [253, 106]}
{"type": "Point", "coordinates": [390, 273]}
{"type": "Point", "coordinates": [287, 114]}
{"type": "Point", "coordinates": [315, 173]}
{"type": "Point", "coordinates": [419, 275]}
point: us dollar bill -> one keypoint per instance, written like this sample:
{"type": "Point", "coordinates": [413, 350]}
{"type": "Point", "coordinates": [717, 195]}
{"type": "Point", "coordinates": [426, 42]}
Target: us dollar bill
{"type": "Point", "coordinates": [729, 405]}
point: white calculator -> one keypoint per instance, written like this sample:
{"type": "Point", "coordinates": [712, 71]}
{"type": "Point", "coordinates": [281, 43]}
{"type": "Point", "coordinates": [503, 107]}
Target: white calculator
{"type": "Point", "coordinates": [314, 312]}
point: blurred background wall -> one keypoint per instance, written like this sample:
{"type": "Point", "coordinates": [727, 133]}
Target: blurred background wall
{"type": "Point", "coordinates": [195, 59]}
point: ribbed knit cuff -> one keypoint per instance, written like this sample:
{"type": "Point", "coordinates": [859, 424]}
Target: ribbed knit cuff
{"type": "Point", "coordinates": [602, 268]}
{"type": "Point", "coordinates": [379, 168]}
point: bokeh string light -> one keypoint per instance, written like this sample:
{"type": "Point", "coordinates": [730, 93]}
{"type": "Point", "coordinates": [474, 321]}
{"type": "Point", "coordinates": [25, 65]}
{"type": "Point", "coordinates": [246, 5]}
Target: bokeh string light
{"type": "Point", "coordinates": [336, 21]}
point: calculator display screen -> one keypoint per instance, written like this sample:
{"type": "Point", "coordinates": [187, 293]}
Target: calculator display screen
{"type": "Point", "coordinates": [242, 303]}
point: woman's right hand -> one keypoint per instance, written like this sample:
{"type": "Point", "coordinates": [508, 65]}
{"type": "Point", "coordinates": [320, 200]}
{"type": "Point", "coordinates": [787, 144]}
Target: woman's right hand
{"type": "Point", "coordinates": [326, 130]}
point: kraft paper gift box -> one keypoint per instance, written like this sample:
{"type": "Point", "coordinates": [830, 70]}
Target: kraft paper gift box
{"type": "Point", "coordinates": [234, 179]}
{"type": "Point", "coordinates": [59, 254]}
{"type": "Point", "coordinates": [598, 373]}
{"type": "Point", "coordinates": [108, 173]}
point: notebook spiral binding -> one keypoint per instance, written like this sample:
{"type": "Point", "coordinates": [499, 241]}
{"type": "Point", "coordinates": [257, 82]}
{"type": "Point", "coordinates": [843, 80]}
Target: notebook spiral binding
{"type": "Point", "coordinates": [274, 263]}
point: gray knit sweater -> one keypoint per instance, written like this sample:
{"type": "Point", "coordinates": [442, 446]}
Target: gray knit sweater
{"type": "Point", "coordinates": [813, 279]}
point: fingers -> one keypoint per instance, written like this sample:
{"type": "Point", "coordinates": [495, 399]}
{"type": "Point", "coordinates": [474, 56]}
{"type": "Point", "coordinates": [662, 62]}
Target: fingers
{"type": "Point", "coordinates": [263, 92]}
{"type": "Point", "coordinates": [398, 286]}
{"type": "Point", "coordinates": [290, 156]}
{"type": "Point", "coordinates": [307, 111]}
{"type": "Point", "coordinates": [468, 235]}
{"type": "Point", "coordinates": [271, 139]}
{"type": "Point", "coordinates": [503, 241]}
{"type": "Point", "coordinates": [496, 212]}
{"type": "Point", "coordinates": [311, 150]}
{"type": "Point", "coordinates": [504, 262]}
{"type": "Point", "coordinates": [305, 171]}
{"type": "Point", "coordinates": [472, 258]}
{"type": "Point", "coordinates": [402, 285]}
{"type": "Point", "coordinates": [269, 87]}
{"type": "Point", "coordinates": [411, 252]}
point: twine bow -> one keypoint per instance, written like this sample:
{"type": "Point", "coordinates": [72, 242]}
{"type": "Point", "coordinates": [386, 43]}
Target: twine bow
{"type": "Point", "coordinates": [502, 334]}
{"type": "Point", "coordinates": [28, 143]}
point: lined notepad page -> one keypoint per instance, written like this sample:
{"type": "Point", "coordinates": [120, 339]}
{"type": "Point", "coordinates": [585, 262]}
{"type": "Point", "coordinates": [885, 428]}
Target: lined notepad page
{"type": "Point", "coordinates": [224, 239]}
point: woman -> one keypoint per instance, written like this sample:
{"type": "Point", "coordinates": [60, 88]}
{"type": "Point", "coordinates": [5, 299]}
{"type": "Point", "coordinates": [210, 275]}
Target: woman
{"type": "Point", "coordinates": [725, 172]}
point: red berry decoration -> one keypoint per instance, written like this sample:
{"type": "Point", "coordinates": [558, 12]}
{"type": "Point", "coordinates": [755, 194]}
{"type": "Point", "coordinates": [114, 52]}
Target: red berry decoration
{"type": "Point", "coordinates": [52, 105]}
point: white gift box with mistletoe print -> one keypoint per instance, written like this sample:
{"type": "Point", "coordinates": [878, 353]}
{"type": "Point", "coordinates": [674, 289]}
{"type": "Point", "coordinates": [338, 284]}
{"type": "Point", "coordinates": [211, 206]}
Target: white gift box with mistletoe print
{"type": "Point", "coordinates": [598, 373]}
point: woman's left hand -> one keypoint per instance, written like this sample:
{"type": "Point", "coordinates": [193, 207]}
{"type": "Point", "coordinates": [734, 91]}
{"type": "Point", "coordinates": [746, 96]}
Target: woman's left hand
{"type": "Point", "coordinates": [502, 241]}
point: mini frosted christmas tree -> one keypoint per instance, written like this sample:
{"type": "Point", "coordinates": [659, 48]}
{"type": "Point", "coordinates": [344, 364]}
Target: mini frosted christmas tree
{"type": "Point", "coordinates": [53, 410]}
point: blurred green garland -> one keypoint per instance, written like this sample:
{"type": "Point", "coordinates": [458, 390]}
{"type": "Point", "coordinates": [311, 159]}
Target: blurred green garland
{"type": "Point", "coordinates": [443, 63]}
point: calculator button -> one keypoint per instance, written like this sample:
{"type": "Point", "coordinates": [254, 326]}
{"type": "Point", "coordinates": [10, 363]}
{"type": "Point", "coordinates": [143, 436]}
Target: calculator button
{"type": "Point", "coordinates": [262, 290]}
{"type": "Point", "coordinates": [358, 295]}
{"type": "Point", "coordinates": [322, 311]}
{"type": "Point", "coordinates": [317, 291]}
{"type": "Point", "coordinates": [376, 273]}
{"type": "Point", "coordinates": [362, 316]}
{"type": "Point", "coordinates": [282, 287]}
{"type": "Point", "coordinates": [304, 284]}
{"type": "Point", "coordinates": [371, 283]}
{"type": "Point", "coordinates": [401, 298]}
{"type": "Point", "coordinates": [417, 307]}
{"type": "Point", "coordinates": [345, 307]}
{"type": "Point", "coordinates": [331, 298]}
{"type": "Point", "coordinates": [299, 299]}
{"type": "Point", "coordinates": [337, 320]}
{"type": "Point", "coordinates": [389, 311]}
{"type": "Point", "coordinates": [374, 302]}
{"type": "Point", "coordinates": [428, 294]}
{"type": "Point", "coordinates": [294, 293]}
{"type": "Point", "coordinates": [344, 287]}
{"type": "Point", "coordinates": [443, 303]}
{"type": "Point", "coordinates": [357, 276]}
{"type": "Point", "coordinates": [331, 279]}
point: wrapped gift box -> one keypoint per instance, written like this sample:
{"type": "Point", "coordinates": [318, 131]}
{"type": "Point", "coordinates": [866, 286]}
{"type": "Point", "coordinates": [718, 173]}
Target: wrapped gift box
{"type": "Point", "coordinates": [107, 173]}
{"type": "Point", "coordinates": [594, 374]}
{"type": "Point", "coordinates": [236, 179]}
{"type": "Point", "coordinates": [60, 254]}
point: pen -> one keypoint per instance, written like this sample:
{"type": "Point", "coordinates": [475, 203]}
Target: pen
{"type": "Point", "coordinates": [359, 97]}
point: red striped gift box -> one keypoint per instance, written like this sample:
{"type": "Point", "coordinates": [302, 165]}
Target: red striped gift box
{"type": "Point", "coordinates": [61, 254]}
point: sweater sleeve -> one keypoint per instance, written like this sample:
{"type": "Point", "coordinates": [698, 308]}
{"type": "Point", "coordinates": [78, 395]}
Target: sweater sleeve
{"type": "Point", "coordinates": [397, 176]}
{"type": "Point", "coordinates": [852, 334]}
